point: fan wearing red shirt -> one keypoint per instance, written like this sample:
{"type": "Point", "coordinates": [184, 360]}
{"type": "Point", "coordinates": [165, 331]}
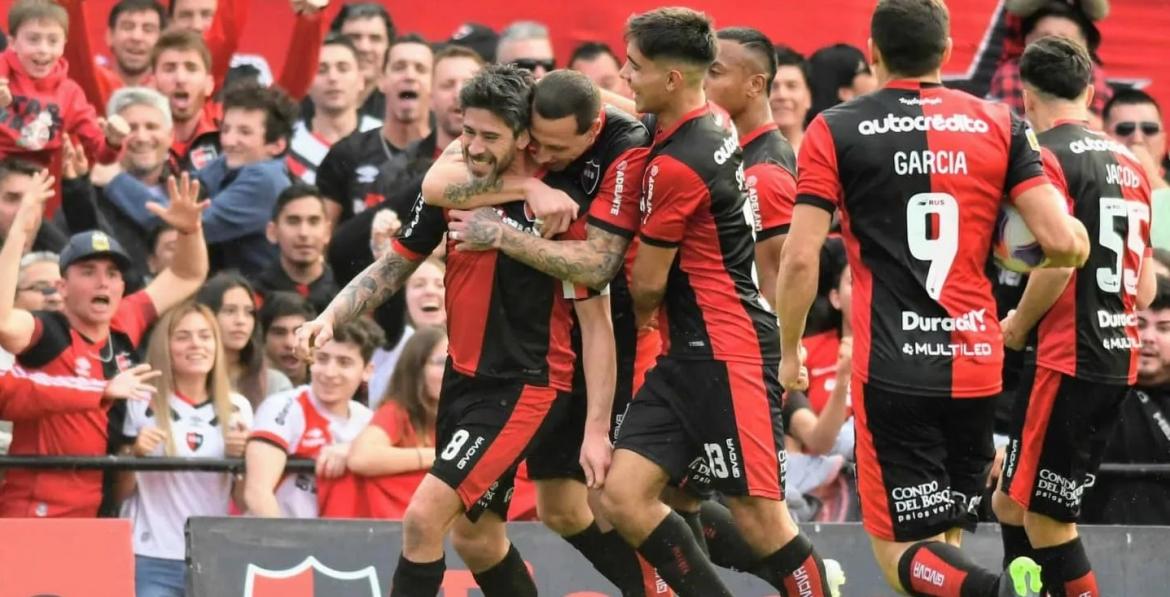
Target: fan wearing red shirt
{"type": "Point", "coordinates": [94, 336]}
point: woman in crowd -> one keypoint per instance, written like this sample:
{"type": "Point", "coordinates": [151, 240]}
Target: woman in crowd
{"type": "Point", "coordinates": [840, 73]}
{"type": "Point", "coordinates": [193, 414]}
{"type": "Point", "coordinates": [233, 301]}
{"type": "Point", "coordinates": [398, 447]}
{"type": "Point", "coordinates": [425, 306]}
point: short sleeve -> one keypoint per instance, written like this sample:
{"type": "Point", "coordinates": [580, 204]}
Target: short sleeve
{"type": "Point", "coordinates": [1025, 165]}
{"type": "Point", "coordinates": [423, 232]}
{"type": "Point", "coordinates": [135, 315]}
{"type": "Point", "coordinates": [772, 191]}
{"type": "Point", "coordinates": [672, 194]}
{"type": "Point", "coordinates": [136, 418]}
{"type": "Point", "coordinates": [280, 422]}
{"type": "Point", "coordinates": [1054, 172]}
{"type": "Point", "coordinates": [616, 209]}
{"type": "Point", "coordinates": [818, 182]}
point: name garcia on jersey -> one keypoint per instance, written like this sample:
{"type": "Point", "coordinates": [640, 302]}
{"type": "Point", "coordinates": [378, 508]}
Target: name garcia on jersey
{"type": "Point", "coordinates": [930, 162]}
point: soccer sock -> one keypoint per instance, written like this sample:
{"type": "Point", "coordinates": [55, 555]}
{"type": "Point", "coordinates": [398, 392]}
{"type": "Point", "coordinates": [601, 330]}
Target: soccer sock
{"type": "Point", "coordinates": [695, 523]}
{"type": "Point", "coordinates": [1066, 570]}
{"type": "Point", "coordinates": [509, 578]}
{"type": "Point", "coordinates": [612, 557]}
{"type": "Point", "coordinates": [672, 549]}
{"type": "Point", "coordinates": [937, 569]}
{"type": "Point", "coordinates": [1015, 543]}
{"type": "Point", "coordinates": [795, 569]}
{"type": "Point", "coordinates": [417, 580]}
{"type": "Point", "coordinates": [725, 544]}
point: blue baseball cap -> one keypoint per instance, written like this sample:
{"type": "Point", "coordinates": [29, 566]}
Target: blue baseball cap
{"type": "Point", "coordinates": [92, 245]}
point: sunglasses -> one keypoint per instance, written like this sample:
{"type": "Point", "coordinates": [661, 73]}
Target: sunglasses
{"type": "Point", "coordinates": [530, 64]}
{"type": "Point", "coordinates": [45, 289]}
{"type": "Point", "coordinates": [1125, 129]}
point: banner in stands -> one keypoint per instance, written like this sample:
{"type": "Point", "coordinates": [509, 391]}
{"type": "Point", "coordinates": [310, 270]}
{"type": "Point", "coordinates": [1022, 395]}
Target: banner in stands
{"type": "Point", "coordinates": [1134, 47]}
{"type": "Point", "coordinates": [249, 557]}
{"type": "Point", "coordinates": [66, 557]}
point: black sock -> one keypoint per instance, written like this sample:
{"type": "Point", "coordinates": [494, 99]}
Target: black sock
{"type": "Point", "coordinates": [612, 557]}
{"type": "Point", "coordinates": [695, 523]}
{"type": "Point", "coordinates": [417, 580]}
{"type": "Point", "coordinates": [795, 569]}
{"type": "Point", "coordinates": [938, 569]}
{"type": "Point", "coordinates": [725, 544]}
{"type": "Point", "coordinates": [671, 548]}
{"type": "Point", "coordinates": [1015, 543]}
{"type": "Point", "coordinates": [509, 578]}
{"type": "Point", "coordinates": [1066, 570]}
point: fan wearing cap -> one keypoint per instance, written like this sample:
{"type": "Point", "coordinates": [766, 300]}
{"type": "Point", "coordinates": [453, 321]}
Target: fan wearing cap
{"type": "Point", "coordinates": [95, 337]}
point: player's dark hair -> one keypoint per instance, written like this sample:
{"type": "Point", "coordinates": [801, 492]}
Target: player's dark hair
{"type": "Point", "coordinates": [280, 111]}
{"type": "Point", "coordinates": [911, 35]}
{"type": "Point", "coordinates": [253, 379]}
{"type": "Point", "coordinates": [590, 50]}
{"type": "Point", "coordinates": [1057, 67]}
{"type": "Point", "coordinates": [756, 42]}
{"type": "Point", "coordinates": [564, 93]}
{"type": "Point", "coordinates": [675, 33]}
{"type": "Point", "coordinates": [1129, 96]}
{"type": "Point", "coordinates": [1161, 300]}
{"type": "Point", "coordinates": [502, 89]}
{"type": "Point", "coordinates": [786, 56]}
{"type": "Point", "coordinates": [362, 332]}
{"type": "Point", "coordinates": [124, 7]}
{"type": "Point", "coordinates": [364, 10]}
{"type": "Point", "coordinates": [292, 193]}
{"type": "Point", "coordinates": [11, 165]}
{"type": "Point", "coordinates": [180, 40]}
{"type": "Point", "coordinates": [285, 304]}
{"type": "Point", "coordinates": [337, 39]}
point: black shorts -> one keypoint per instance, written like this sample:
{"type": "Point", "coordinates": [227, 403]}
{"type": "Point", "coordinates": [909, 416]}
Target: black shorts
{"type": "Point", "coordinates": [1061, 426]}
{"type": "Point", "coordinates": [720, 413]}
{"type": "Point", "coordinates": [485, 427]}
{"type": "Point", "coordinates": [922, 461]}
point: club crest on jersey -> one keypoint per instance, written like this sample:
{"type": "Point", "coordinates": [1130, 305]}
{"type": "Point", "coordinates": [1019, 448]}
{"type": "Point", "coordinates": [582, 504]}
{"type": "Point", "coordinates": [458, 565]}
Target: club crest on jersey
{"type": "Point", "coordinates": [202, 156]}
{"type": "Point", "coordinates": [194, 440]}
{"type": "Point", "coordinates": [82, 366]}
{"type": "Point", "coordinates": [591, 176]}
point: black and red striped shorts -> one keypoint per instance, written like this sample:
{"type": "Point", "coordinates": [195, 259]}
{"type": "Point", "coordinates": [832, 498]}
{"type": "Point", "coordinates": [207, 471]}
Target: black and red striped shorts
{"type": "Point", "coordinates": [713, 412]}
{"type": "Point", "coordinates": [922, 461]}
{"type": "Point", "coordinates": [485, 427]}
{"type": "Point", "coordinates": [1060, 428]}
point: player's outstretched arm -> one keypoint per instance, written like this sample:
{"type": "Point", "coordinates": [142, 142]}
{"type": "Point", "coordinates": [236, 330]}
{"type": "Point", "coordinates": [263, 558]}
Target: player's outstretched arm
{"type": "Point", "coordinates": [796, 286]}
{"type": "Point", "coordinates": [366, 291]}
{"type": "Point", "coordinates": [592, 262]}
{"type": "Point", "coordinates": [599, 355]}
{"type": "Point", "coordinates": [1063, 237]}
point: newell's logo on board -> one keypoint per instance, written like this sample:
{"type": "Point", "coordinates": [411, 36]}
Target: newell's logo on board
{"type": "Point", "coordinates": [310, 578]}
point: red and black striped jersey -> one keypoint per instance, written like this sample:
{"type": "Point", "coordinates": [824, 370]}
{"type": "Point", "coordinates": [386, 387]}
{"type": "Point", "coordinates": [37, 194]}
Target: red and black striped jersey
{"type": "Point", "coordinates": [693, 199]}
{"type": "Point", "coordinates": [769, 167]}
{"type": "Point", "coordinates": [1091, 331]}
{"type": "Point", "coordinates": [505, 320]}
{"type": "Point", "coordinates": [918, 173]}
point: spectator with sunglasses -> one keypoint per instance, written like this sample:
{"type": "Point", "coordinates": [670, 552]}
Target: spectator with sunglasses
{"type": "Point", "coordinates": [526, 44]}
{"type": "Point", "coordinates": [1134, 118]}
{"type": "Point", "coordinates": [36, 284]}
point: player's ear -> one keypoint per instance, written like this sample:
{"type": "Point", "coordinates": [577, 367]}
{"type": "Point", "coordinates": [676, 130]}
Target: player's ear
{"type": "Point", "coordinates": [270, 232]}
{"type": "Point", "coordinates": [835, 299]}
{"type": "Point", "coordinates": [523, 139]}
{"type": "Point", "coordinates": [875, 55]}
{"type": "Point", "coordinates": [368, 372]}
{"type": "Point", "coordinates": [1087, 97]}
{"type": "Point", "coordinates": [758, 84]}
{"type": "Point", "coordinates": [946, 57]}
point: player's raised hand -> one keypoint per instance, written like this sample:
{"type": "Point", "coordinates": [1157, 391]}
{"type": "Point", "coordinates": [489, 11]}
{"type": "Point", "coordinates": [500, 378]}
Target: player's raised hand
{"type": "Point", "coordinates": [476, 230]}
{"type": "Point", "coordinates": [132, 384]}
{"type": "Point", "coordinates": [185, 212]}
{"type": "Point", "coordinates": [312, 335]}
{"type": "Point", "coordinates": [596, 455]}
{"type": "Point", "coordinates": [793, 374]}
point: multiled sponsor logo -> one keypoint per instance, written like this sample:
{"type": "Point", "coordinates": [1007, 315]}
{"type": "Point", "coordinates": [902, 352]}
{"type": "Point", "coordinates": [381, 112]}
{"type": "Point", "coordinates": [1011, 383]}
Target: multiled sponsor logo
{"type": "Point", "coordinates": [892, 123]}
{"type": "Point", "coordinates": [971, 321]}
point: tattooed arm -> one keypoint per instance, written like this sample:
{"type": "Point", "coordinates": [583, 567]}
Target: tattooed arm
{"type": "Point", "coordinates": [366, 291]}
{"type": "Point", "coordinates": [592, 262]}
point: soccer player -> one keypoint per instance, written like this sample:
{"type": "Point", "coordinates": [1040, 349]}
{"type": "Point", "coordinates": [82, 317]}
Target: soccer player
{"type": "Point", "coordinates": [739, 81]}
{"type": "Point", "coordinates": [711, 394]}
{"type": "Point", "coordinates": [1086, 341]}
{"type": "Point", "coordinates": [918, 173]}
{"type": "Point", "coordinates": [510, 356]}
{"type": "Point", "coordinates": [593, 157]}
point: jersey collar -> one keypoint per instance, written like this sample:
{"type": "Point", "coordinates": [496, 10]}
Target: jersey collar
{"type": "Point", "coordinates": [661, 135]}
{"type": "Point", "coordinates": [760, 130]}
{"type": "Point", "coordinates": [912, 84]}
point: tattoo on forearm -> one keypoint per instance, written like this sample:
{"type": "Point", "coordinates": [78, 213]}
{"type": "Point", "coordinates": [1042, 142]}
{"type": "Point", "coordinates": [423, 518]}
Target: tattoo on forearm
{"type": "Point", "coordinates": [372, 287]}
{"type": "Point", "coordinates": [592, 262]}
{"type": "Point", "coordinates": [459, 194]}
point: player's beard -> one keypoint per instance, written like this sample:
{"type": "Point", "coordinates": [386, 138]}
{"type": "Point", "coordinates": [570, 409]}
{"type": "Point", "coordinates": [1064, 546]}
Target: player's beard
{"type": "Point", "coordinates": [498, 165]}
